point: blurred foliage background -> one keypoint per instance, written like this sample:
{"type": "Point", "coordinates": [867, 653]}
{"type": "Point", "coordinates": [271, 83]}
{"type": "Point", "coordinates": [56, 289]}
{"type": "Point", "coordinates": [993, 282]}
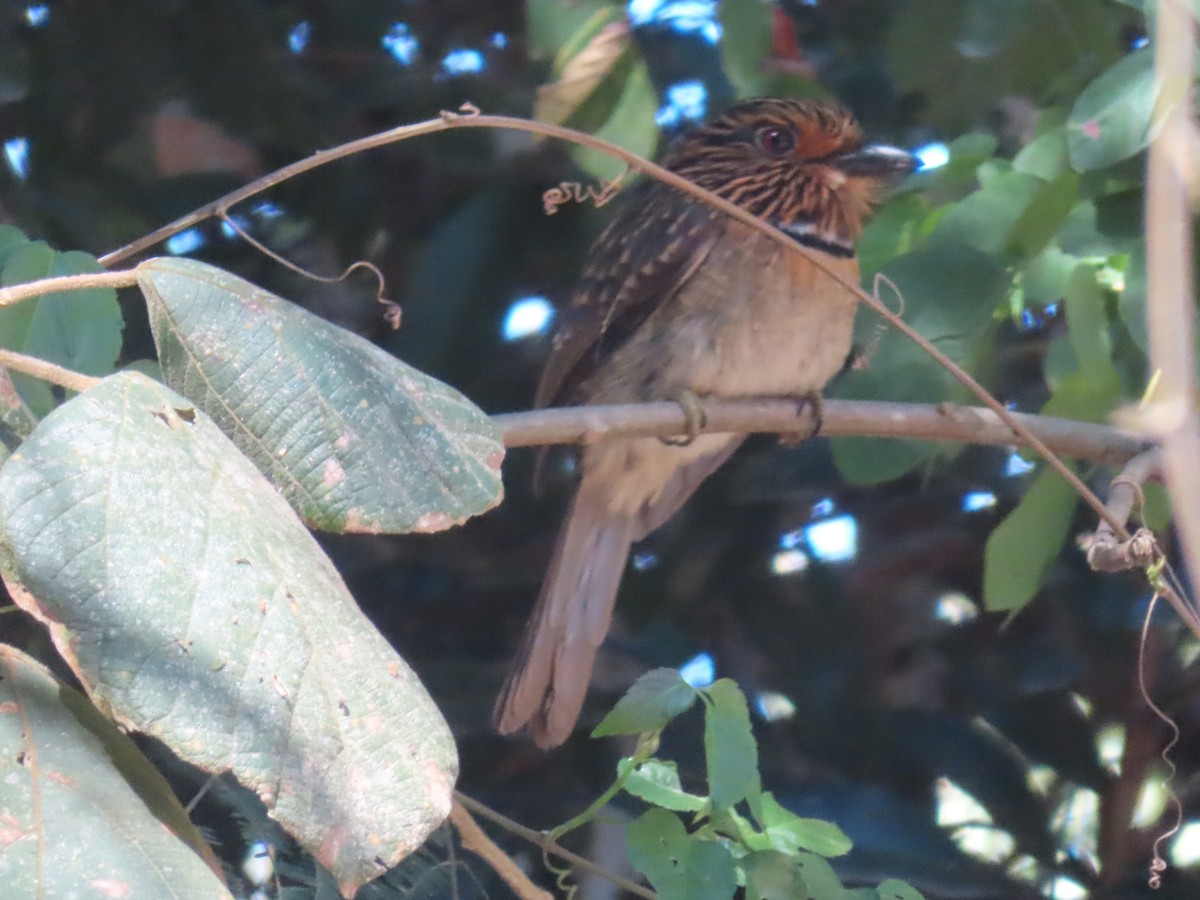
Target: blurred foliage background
{"type": "Point", "coordinates": [850, 587]}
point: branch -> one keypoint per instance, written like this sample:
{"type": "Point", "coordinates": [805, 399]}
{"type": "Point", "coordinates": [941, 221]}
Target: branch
{"type": "Point", "coordinates": [469, 117]}
{"type": "Point", "coordinates": [46, 371]}
{"type": "Point", "coordinates": [1105, 552]}
{"type": "Point", "coordinates": [944, 422]}
{"type": "Point", "coordinates": [474, 839]}
{"type": "Point", "coordinates": [1170, 306]}
{"type": "Point", "coordinates": [18, 292]}
{"type": "Point", "coordinates": [546, 845]}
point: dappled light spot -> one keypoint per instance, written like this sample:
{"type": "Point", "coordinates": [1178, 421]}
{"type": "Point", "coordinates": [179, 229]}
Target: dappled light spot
{"type": "Point", "coordinates": [699, 671]}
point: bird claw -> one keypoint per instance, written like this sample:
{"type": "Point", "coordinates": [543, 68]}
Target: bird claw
{"type": "Point", "coordinates": [696, 417]}
{"type": "Point", "coordinates": [812, 401]}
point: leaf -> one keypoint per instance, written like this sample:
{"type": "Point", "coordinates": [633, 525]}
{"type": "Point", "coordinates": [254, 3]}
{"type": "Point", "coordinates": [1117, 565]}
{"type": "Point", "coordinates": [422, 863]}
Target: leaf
{"type": "Point", "coordinates": [551, 25]}
{"type": "Point", "coordinates": [657, 782]}
{"type": "Point", "coordinates": [631, 125]}
{"type": "Point", "coordinates": [77, 329]}
{"type": "Point", "coordinates": [1044, 215]}
{"type": "Point", "coordinates": [650, 703]}
{"type": "Point", "coordinates": [1046, 156]}
{"type": "Point", "coordinates": [583, 73]}
{"type": "Point", "coordinates": [730, 750]}
{"type": "Point", "coordinates": [68, 779]}
{"type": "Point", "coordinates": [894, 889]}
{"type": "Point", "coordinates": [771, 875]}
{"type": "Point", "coordinates": [1111, 117]}
{"type": "Point", "coordinates": [1087, 322]}
{"type": "Point", "coordinates": [985, 218]}
{"type": "Point", "coordinates": [355, 439]}
{"type": "Point", "coordinates": [791, 833]}
{"type": "Point", "coordinates": [820, 880]}
{"type": "Point", "coordinates": [1021, 548]}
{"type": "Point", "coordinates": [679, 866]}
{"type": "Point", "coordinates": [194, 606]}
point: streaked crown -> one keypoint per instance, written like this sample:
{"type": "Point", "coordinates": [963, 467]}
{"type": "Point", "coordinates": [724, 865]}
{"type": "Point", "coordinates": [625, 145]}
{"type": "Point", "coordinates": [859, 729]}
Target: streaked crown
{"type": "Point", "coordinates": [801, 165]}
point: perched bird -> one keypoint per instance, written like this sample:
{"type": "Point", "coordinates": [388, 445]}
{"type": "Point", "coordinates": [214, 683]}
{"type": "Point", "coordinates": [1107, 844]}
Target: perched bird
{"type": "Point", "coordinates": [679, 300]}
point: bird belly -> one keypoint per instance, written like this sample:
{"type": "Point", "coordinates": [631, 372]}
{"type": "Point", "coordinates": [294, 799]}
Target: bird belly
{"type": "Point", "coordinates": [754, 320]}
{"type": "Point", "coordinates": [766, 322]}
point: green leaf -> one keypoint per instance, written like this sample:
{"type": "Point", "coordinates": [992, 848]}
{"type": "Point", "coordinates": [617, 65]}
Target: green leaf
{"type": "Point", "coordinates": [679, 866]}
{"type": "Point", "coordinates": [77, 329]}
{"type": "Point", "coordinates": [657, 782]}
{"type": "Point", "coordinates": [552, 25]}
{"type": "Point", "coordinates": [894, 889]}
{"type": "Point", "coordinates": [10, 239]}
{"type": "Point", "coordinates": [194, 606]}
{"type": "Point", "coordinates": [1087, 322]}
{"type": "Point", "coordinates": [584, 71]}
{"type": "Point", "coordinates": [745, 43]}
{"type": "Point", "coordinates": [1044, 215]}
{"type": "Point", "coordinates": [355, 439]}
{"type": "Point", "coordinates": [819, 878]}
{"type": "Point", "coordinates": [1111, 118]}
{"type": "Point", "coordinates": [1046, 156]}
{"type": "Point", "coordinates": [730, 750]}
{"type": "Point", "coordinates": [1044, 277]}
{"type": "Point", "coordinates": [631, 126]}
{"type": "Point", "coordinates": [650, 703]}
{"type": "Point", "coordinates": [771, 875]}
{"type": "Point", "coordinates": [790, 833]}
{"type": "Point", "coordinates": [1021, 548]}
{"type": "Point", "coordinates": [70, 781]}
{"type": "Point", "coordinates": [985, 218]}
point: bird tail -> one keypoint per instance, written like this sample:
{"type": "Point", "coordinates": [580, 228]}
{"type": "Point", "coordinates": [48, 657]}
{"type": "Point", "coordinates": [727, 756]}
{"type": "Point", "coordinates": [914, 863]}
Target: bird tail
{"type": "Point", "coordinates": [546, 687]}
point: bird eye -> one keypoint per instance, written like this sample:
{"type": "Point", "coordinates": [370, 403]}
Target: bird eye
{"type": "Point", "coordinates": [775, 140]}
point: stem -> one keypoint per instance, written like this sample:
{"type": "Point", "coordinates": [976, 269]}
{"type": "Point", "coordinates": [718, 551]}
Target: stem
{"type": "Point", "coordinates": [18, 292]}
{"type": "Point", "coordinates": [46, 371]}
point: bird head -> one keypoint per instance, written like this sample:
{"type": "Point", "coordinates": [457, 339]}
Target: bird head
{"type": "Point", "coordinates": [801, 165]}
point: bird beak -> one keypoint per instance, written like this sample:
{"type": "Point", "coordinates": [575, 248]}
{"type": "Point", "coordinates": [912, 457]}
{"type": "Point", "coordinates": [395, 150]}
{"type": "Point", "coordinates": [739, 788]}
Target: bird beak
{"type": "Point", "coordinates": [876, 161]}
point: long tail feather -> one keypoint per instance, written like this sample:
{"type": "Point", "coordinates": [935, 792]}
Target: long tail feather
{"type": "Point", "coordinates": [546, 687]}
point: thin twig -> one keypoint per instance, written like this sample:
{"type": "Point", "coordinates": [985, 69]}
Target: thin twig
{"type": "Point", "coordinates": [46, 371]}
{"type": "Point", "coordinates": [475, 840]}
{"type": "Point", "coordinates": [943, 422]}
{"type": "Point", "coordinates": [1105, 551]}
{"type": "Point", "coordinates": [18, 292]}
{"type": "Point", "coordinates": [548, 846]}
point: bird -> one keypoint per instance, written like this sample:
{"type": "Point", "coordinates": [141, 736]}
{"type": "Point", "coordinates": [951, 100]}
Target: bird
{"type": "Point", "coordinates": [678, 300]}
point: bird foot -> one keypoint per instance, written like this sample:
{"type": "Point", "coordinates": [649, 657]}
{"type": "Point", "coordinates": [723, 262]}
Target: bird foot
{"type": "Point", "coordinates": [812, 402]}
{"type": "Point", "coordinates": [697, 419]}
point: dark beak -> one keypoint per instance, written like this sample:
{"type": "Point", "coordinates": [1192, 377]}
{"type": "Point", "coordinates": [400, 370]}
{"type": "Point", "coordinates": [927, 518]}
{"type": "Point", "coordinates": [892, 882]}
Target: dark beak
{"type": "Point", "coordinates": [876, 161]}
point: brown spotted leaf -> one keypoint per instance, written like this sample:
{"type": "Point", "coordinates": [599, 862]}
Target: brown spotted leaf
{"type": "Point", "coordinates": [354, 438]}
{"type": "Point", "coordinates": [69, 777]}
{"type": "Point", "coordinates": [195, 606]}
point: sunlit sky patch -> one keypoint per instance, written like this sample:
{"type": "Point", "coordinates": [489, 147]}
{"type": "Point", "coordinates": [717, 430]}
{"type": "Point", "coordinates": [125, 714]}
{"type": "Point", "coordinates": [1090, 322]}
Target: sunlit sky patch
{"type": "Point", "coordinates": [299, 36]}
{"type": "Point", "coordinates": [16, 154]}
{"type": "Point", "coordinates": [185, 242]}
{"type": "Point", "coordinates": [932, 155]}
{"type": "Point", "coordinates": [685, 16]}
{"type": "Point", "coordinates": [37, 14]}
{"type": "Point", "coordinates": [400, 42]}
{"type": "Point", "coordinates": [1017, 466]}
{"type": "Point", "coordinates": [687, 102]}
{"type": "Point", "coordinates": [699, 671]}
{"type": "Point", "coordinates": [833, 540]}
{"type": "Point", "coordinates": [977, 500]}
{"type": "Point", "coordinates": [463, 61]}
{"type": "Point", "coordinates": [527, 316]}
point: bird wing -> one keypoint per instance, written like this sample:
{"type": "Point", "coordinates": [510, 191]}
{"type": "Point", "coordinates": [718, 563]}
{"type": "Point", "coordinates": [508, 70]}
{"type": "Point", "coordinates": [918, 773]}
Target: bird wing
{"type": "Point", "coordinates": [632, 271]}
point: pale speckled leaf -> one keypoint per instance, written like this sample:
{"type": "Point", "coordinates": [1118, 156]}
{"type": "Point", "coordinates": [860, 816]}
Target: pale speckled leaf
{"type": "Point", "coordinates": [195, 607]}
{"type": "Point", "coordinates": [355, 439]}
{"type": "Point", "coordinates": [70, 779]}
